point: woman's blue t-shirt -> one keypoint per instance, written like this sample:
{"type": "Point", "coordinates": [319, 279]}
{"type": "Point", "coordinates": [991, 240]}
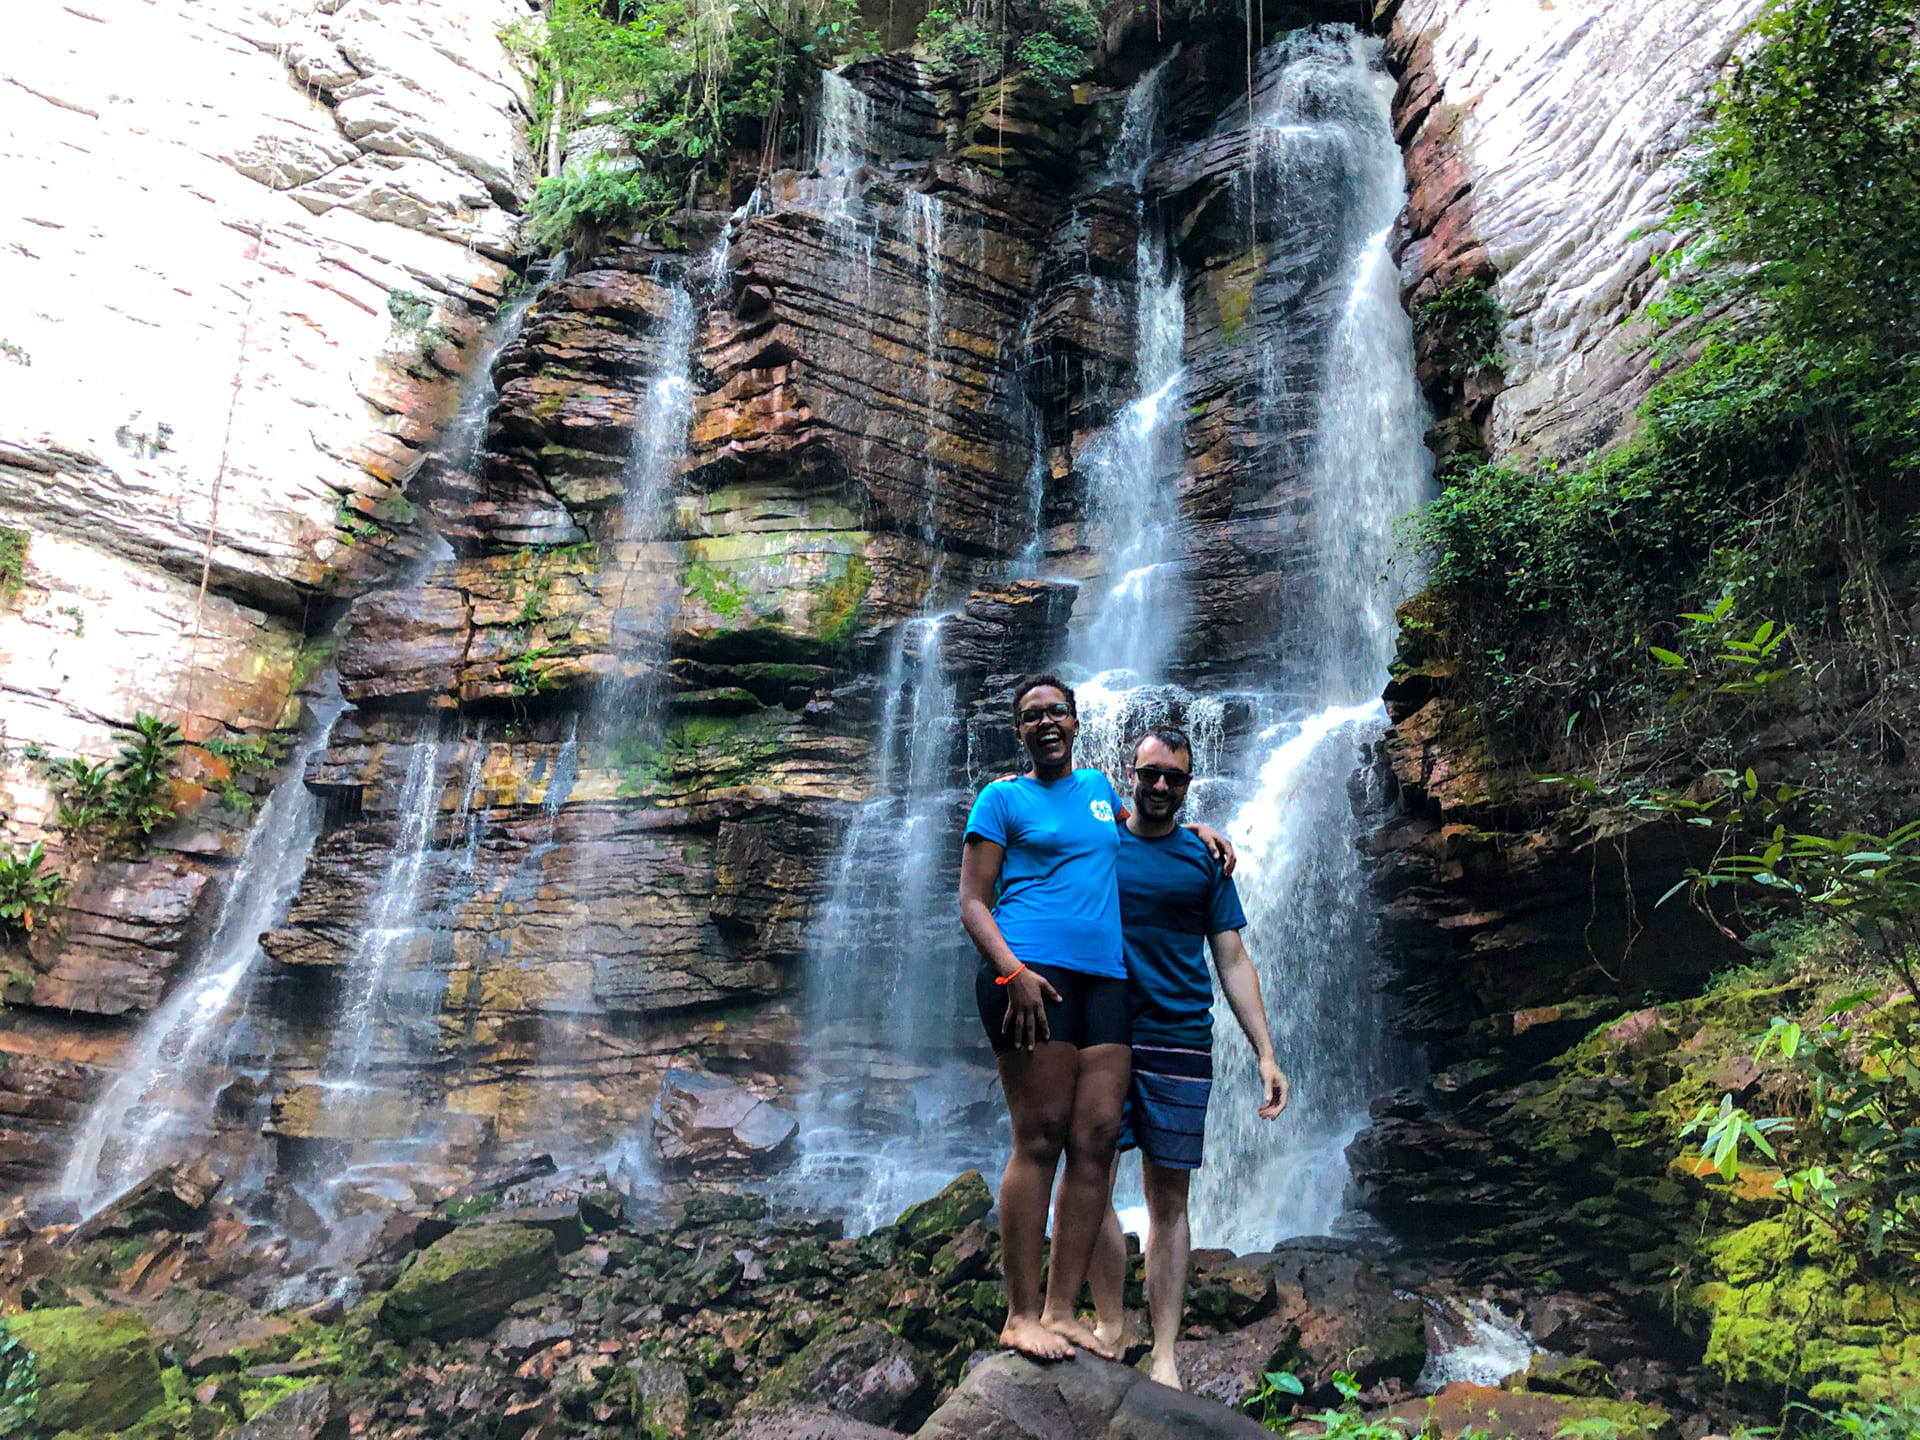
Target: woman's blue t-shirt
{"type": "Point", "coordinates": [1059, 901]}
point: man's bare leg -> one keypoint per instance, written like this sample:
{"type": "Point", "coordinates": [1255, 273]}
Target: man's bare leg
{"type": "Point", "coordinates": [1107, 1277]}
{"type": "Point", "coordinates": [1039, 1087]}
{"type": "Point", "coordinates": [1086, 1189]}
{"type": "Point", "coordinates": [1169, 1245]}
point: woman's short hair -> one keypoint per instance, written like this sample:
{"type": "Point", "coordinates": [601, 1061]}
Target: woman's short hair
{"type": "Point", "coordinates": [1034, 682]}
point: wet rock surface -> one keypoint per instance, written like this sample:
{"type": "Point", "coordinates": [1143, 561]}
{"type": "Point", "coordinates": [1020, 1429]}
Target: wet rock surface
{"type": "Point", "coordinates": [528, 1299]}
{"type": "Point", "coordinates": [701, 1122]}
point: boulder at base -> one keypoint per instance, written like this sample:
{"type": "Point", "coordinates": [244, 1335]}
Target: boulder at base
{"type": "Point", "coordinates": [309, 1414]}
{"type": "Point", "coordinates": [463, 1283]}
{"type": "Point", "coordinates": [1008, 1397]}
{"type": "Point", "coordinates": [172, 1198]}
{"type": "Point", "coordinates": [868, 1372]}
{"type": "Point", "coordinates": [1462, 1407]}
{"type": "Point", "coordinates": [97, 1369]}
{"type": "Point", "coordinates": [1309, 1308]}
{"type": "Point", "coordinates": [964, 1201]}
{"type": "Point", "coordinates": [701, 1122]}
{"type": "Point", "coordinates": [803, 1422]}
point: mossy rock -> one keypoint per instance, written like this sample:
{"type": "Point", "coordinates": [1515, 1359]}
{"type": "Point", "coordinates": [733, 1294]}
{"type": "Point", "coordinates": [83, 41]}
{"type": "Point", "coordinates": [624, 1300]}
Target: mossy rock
{"type": "Point", "coordinates": [964, 1201]}
{"type": "Point", "coordinates": [1788, 1311]}
{"type": "Point", "coordinates": [97, 1368]}
{"type": "Point", "coordinates": [464, 1283]}
{"type": "Point", "coordinates": [1524, 1415]}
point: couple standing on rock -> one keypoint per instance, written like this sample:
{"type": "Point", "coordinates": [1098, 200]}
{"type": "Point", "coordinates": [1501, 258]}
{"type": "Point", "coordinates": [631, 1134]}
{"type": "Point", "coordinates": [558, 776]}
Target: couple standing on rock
{"type": "Point", "coordinates": [1093, 922]}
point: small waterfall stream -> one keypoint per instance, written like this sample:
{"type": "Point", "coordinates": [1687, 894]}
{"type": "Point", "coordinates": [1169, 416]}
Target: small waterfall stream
{"type": "Point", "coordinates": [162, 1102]}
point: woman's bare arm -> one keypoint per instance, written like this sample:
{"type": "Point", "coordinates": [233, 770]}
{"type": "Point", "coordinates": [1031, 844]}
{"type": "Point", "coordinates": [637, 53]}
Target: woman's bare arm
{"type": "Point", "coordinates": [1027, 992]}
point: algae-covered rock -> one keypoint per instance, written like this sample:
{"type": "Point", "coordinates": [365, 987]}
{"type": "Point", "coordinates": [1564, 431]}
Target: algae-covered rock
{"type": "Point", "coordinates": [869, 1373]}
{"type": "Point", "coordinates": [1463, 1408]}
{"type": "Point", "coordinates": [1787, 1311]}
{"type": "Point", "coordinates": [98, 1373]}
{"type": "Point", "coordinates": [463, 1283]}
{"type": "Point", "coordinates": [954, 1208]}
{"type": "Point", "coordinates": [311, 1413]}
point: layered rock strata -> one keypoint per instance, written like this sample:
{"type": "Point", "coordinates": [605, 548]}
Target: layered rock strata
{"type": "Point", "coordinates": [258, 245]}
{"type": "Point", "coordinates": [1545, 149]}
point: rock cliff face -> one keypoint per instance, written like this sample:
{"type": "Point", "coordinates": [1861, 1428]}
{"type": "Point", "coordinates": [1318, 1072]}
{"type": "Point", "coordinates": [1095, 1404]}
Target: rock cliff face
{"type": "Point", "coordinates": [1538, 151]}
{"type": "Point", "coordinates": [648, 720]}
{"type": "Point", "coordinates": [1544, 145]}
{"type": "Point", "coordinates": [606, 737]}
{"type": "Point", "coordinates": [255, 248]}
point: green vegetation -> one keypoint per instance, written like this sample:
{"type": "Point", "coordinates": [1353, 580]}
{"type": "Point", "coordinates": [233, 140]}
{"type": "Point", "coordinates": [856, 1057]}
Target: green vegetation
{"type": "Point", "coordinates": [13, 561]}
{"type": "Point", "coordinates": [1049, 42]}
{"type": "Point", "coordinates": [685, 82]}
{"type": "Point", "coordinates": [1465, 319]}
{"type": "Point", "coordinates": [835, 610]}
{"type": "Point", "coordinates": [125, 802]}
{"type": "Point", "coordinates": [28, 893]}
{"type": "Point", "coordinates": [19, 1387]}
{"type": "Point", "coordinates": [246, 757]}
{"type": "Point", "coordinates": [716, 590]}
{"type": "Point", "coordinates": [1767, 470]}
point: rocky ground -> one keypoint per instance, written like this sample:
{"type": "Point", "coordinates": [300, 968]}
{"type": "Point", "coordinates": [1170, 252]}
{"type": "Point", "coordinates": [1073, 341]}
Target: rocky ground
{"type": "Point", "coordinates": [528, 1306]}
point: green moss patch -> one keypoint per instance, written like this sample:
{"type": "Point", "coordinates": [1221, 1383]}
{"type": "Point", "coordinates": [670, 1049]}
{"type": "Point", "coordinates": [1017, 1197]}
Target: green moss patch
{"type": "Point", "coordinates": [98, 1372]}
{"type": "Point", "coordinates": [463, 1283]}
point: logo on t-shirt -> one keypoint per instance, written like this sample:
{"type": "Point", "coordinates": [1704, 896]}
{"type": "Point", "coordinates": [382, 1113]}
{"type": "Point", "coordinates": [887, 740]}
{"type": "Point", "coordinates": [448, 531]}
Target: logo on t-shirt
{"type": "Point", "coordinates": [1102, 811]}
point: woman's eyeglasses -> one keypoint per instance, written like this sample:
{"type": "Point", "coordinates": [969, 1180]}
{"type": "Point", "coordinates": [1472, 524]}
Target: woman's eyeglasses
{"type": "Point", "coordinates": [1059, 710]}
{"type": "Point", "coordinates": [1154, 774]}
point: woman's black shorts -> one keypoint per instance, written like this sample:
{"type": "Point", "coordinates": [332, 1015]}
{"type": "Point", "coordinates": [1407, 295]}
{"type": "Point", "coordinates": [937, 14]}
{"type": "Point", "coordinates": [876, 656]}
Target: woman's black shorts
{"type": "Point", "coordinates": [1092, 1009]}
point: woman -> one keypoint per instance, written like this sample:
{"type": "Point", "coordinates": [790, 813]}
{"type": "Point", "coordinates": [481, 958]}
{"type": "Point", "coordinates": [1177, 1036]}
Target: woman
{"type": "Point", "coordinates": [1040, 899]}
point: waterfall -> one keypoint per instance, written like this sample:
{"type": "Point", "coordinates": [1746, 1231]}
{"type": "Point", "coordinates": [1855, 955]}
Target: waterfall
{"type": "Point", "coordinates": [1302, 878]}
{"type": "Point", "coordinates": [889, 978]}
{"type": "Point", "coordinates": [394, 919]}
{"type": "Point", "coordinates": [162, 1101]}
{"type": "Point", "coordinates": [1132, 471]}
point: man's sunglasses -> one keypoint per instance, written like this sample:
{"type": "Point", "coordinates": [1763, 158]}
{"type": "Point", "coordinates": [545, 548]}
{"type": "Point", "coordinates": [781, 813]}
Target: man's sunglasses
{"type": "Point", "coordinates": [1154, 774]}
{"type": "Point", "coordinates": [1059, 710]}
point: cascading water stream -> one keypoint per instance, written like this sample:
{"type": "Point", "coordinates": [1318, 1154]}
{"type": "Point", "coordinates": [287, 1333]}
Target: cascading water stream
{"type": "Point", "coordinates": [1302, 879]}
{"type": "Point", "coordinates": [162, 1101]}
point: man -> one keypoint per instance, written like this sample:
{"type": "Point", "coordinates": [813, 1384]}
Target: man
{"type": "Point", "coordinates": [1175, 905]}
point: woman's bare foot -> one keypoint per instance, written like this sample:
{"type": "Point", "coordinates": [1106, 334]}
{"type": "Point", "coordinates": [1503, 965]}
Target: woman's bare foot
{"type": "Point", "coordinates": [1162, 1368]}
{"type": "Point", "coordinates": [1078, 1334]}
{"type": "Point", "coordinates": [1034, 1339]}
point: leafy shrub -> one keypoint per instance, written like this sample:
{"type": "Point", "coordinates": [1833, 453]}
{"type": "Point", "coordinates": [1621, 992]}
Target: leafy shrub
{"type": "Point", "coordinates": [685, 81]}
{"type": "Point", "coordinates": [1466, 319]}
{"type": "Point", "coordinates": [19, 1387]}
{"type": "Point", "coordinates": [1048, 41]}
{"type": "Point", "coordinates": [126, 801]}
{"type": "Point", "coordinates": [27, 893]}
{"type": "Point", "coordinates": [597, 199]}
{"type": "Point", "coordinates": [142, 774]}
{"type": "Point", "coordinates": [13, 561]}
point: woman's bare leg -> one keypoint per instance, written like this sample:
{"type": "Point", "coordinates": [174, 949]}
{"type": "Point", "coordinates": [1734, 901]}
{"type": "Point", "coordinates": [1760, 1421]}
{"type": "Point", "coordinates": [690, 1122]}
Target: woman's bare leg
{"type": "Point", "coordinates": [1086, 1189]}
{"type": "Point", "coordinates": [1107, 1277]}
{"type": "Point", "coordinates": [1039, 1087]}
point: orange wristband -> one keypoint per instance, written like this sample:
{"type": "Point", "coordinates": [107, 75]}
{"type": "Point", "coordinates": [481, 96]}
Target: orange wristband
{"type": "Point", "coordinates": [1004, 979]}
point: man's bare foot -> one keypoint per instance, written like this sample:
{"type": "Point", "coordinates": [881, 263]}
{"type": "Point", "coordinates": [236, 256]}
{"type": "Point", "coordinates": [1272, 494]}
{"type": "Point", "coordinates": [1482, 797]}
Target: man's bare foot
{"type": "Point", "coordinates": [1034, 1339]}
{"type": "Point", "coordinates": [1078, 1334]}
{"type": "Point", "coordinates": [1161, 1368]}
{"type": "Point", "coordinates": [1113, 1336]}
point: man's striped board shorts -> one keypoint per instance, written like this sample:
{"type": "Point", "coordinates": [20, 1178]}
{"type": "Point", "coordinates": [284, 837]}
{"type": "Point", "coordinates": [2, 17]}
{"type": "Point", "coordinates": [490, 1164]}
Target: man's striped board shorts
{"type": "Point", "coordinates": [1166, 1111]}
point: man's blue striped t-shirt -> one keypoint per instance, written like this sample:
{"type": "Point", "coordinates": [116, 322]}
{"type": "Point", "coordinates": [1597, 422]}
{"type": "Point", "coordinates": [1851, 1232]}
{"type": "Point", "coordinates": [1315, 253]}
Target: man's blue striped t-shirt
{"type": "Point", "coordinates": [1172, 896]}
{"type": "Point", "coordinates": [1058, 903]}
